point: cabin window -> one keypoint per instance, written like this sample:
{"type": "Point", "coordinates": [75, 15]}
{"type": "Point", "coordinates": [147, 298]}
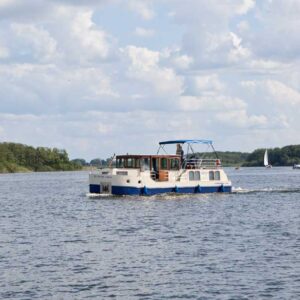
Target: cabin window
{"type": "Point", "coordinates": [194, 175]}
{"type": "Point", "coordinates": [145, 164]}
{"type": "Point", "coordinates": [164, 164]}
{"type": "Point", "coordinates": [120, 163]}
{"type": "Point", "coordinates": [191, 175]}
{"type": "Point", "coordinates": [129, 162]}
{"type": "Point", "coordinates": [211, 175]}
{"type": "Point", "coordinates": [137, 163]}
{"type": "Point", "coordinates": [174, 164]}
{"type": "Point", "coordinates": [217, 175]}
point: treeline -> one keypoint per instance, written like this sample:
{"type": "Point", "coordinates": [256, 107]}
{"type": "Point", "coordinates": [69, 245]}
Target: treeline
{"type": "Point", "coordinates": [286, 156]}
{"type": "Point", "coordinates": [96, 162]}
{"type": "Point", "coordinates": [228, 158]}
{"type": "Point", "coordinates": [22, 158]}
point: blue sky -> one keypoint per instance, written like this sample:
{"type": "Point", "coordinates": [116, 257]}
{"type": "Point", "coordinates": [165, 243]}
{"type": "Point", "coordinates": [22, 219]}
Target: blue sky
{"type": "Point", "coordinates": [97, 77]}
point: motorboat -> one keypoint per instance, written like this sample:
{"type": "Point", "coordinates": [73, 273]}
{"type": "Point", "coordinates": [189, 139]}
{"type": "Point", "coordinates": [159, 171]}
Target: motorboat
{"type": "Point", "coordinates": [296, 166]}
{"type": "Point", "coordinates": [162, 173]}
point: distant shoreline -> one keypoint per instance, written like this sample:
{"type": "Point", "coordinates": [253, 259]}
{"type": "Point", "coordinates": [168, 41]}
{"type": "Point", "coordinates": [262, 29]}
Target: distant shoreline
{"type": "Point", "coordinates": [28, 171]}
{"type": "Point", "coordinates": [19, 158]}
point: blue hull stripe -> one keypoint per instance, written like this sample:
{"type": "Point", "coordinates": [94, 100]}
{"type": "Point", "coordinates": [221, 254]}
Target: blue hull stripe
{"type": "Point", "coordinates": [95, 188]}
{"type": "Point", "coordinates": [122, 190]}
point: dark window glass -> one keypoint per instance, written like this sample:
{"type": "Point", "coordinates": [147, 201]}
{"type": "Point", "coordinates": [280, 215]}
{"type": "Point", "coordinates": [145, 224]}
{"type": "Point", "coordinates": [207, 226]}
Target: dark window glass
{"type": "Point", "coordinates": [120, 163]}
{"type": "Point", "coordinates": [174, 164]}
{"type": "Point", "coordinates": [163, 163]}
{"type": "Point", "coordinates": [137, 162]}
{"type": "Point", "coordinates": [197, 175]}
{"type": "Point", "coordinates": [129, 163]}
{"type": "Point", "coordinates": [191, 175]}
{"type": "Point", "coordinates": [211, 175]}
{"type": "Point", "coordinates": [217, 175]}
{"type": "Point", "coordinates": [145, 164]}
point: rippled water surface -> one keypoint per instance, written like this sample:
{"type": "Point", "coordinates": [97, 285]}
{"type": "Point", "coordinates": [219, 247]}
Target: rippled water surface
{"type": "Point", "coordinates": [57, 243]}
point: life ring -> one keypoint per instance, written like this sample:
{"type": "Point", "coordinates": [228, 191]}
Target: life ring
{"type": "Point", "coordinates": [218, 162]}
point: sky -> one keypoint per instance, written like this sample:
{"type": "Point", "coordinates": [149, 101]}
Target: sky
{"type": "Point", "coordinates": [97, 77]}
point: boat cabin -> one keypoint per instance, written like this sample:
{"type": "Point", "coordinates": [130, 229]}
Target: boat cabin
{"type": "Point", "coordinates": [158, 165]}
{"type": "Point", "coordinates": [149, 162]}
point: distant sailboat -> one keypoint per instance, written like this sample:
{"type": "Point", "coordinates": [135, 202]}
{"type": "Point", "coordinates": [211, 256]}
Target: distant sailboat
{"type": "Point", "coordinates": [266, 160]}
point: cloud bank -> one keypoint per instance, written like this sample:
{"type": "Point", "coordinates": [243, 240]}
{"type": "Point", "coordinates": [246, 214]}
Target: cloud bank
{"type": "Point", "coordinates": [74, 75]}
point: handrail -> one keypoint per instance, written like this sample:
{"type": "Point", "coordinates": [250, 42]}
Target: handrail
{"type": "Point", "coordinates": [198, 163]}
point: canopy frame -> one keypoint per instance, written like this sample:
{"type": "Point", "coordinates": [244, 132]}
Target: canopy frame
{"type": "Point", "coordinates": [189, 145]}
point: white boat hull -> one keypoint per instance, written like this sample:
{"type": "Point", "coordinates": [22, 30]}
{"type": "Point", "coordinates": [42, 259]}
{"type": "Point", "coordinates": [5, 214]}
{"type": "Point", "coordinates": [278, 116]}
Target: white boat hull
{"type": "Point", "coordinates": [135, 182]}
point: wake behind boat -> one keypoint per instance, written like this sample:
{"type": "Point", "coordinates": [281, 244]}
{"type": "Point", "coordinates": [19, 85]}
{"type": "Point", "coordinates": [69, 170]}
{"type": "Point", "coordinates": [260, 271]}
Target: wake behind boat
{"type": "Point", "coordinates": [157, 174]}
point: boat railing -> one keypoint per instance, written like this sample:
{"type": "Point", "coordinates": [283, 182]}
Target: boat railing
{"type": "Point", "coordinates": [198, 163]}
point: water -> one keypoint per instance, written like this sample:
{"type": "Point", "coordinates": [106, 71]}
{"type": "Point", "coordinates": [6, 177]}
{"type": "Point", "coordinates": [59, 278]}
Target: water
{"type": "Point", "coordinates": [56, 243]}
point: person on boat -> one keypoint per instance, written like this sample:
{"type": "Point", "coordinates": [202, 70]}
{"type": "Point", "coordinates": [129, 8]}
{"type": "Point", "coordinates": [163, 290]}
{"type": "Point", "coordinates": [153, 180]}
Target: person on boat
{"type": "Point", "coordinates": [179, 151]}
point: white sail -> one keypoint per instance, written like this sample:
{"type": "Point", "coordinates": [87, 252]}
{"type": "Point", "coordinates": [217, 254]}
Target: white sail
{"type": "Point", "coordinates": [266, 161]}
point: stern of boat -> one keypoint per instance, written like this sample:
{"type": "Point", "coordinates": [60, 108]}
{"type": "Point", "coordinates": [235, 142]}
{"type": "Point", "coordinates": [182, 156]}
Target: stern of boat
{"type": "Point", "coordinates": [100, 181]}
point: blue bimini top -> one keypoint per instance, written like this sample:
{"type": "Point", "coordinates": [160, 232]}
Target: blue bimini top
{"type": "Point", "coordinates": [207, 142]}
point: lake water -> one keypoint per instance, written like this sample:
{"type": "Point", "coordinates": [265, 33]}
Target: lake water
{"type": "Point", "coordinates": [57, 243]}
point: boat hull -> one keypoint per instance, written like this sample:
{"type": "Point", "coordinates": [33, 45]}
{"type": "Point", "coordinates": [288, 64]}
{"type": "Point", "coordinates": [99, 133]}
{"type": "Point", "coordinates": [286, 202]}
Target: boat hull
{"type": "Point", "coordinates": [126, 181]}
{"type": "Point", "coordinates": [145, 191]}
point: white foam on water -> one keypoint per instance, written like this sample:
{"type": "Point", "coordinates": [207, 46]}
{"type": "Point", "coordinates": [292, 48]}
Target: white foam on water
{"type": "Point", "coordinates": [240, 190]}
{"type": "Point", "coordinates": [95, 195]}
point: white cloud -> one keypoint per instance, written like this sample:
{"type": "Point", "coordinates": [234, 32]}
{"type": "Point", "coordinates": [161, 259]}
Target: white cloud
{"type": "Point", "coordinates": [4, 52]}
{"type": "Point", "coordinates": [245, 6]}
{"type": "Point", "coordinates": [49, 89]}
{"type": "Point", "coordinates": [274, 91]}
{"type": "Point", "coordinates": [243, 26]}
{"type": "Point", "coordinates": [182, 61]}
{"type": "Point", "coordinates": [142, 8]}
{"type": "Point", "coordinates": [241, 119]}
{"type": "Point", "coordinates": [92, 40]}
{"type": "Point", "coordinates": [143, 32]}
{"type": "Point", "coordinates": [277, 37]}
{"type": "Point", "coordinates": [5, 3]}
{"type": "Point", "coordinates": [208, 84]}
{"type": "Point", "coordinates": [267, 65]}
{"type": "Point", "coordinates": [211, 103]}
{"type": "Point", "coordinates": [38, 41]}
{"type": "Point", "coordinates": [237, 52]}
{"type": "Point", "coordinates": [282, 93]}
{"type": "Point", "coordinates": [144, 66]}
